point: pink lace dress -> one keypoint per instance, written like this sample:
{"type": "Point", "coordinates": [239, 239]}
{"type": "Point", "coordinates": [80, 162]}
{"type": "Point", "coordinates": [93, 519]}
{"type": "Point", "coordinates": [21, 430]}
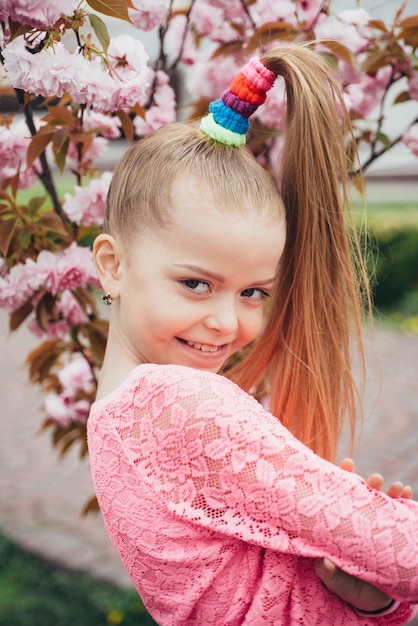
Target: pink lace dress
{"type": "Point", "coordinates": [219, 514]}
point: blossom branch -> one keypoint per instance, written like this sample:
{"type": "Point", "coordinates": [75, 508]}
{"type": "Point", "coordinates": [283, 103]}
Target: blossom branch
{"type": "Point", "coordinates": [44, 174]}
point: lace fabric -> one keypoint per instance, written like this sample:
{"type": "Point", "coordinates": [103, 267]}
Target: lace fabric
{"type": "Point", "coordinates": [218, 513]}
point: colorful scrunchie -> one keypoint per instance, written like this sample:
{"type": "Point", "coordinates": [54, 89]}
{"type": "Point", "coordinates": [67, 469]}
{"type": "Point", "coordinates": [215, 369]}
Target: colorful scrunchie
{"type": "Point", "coordinates": [227, 120]}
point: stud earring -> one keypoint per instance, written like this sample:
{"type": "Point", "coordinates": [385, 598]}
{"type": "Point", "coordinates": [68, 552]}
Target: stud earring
{"type": "Point", "coordinates": [107, 299]}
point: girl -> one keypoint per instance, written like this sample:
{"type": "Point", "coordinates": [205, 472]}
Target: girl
{"type": "Point", "coordinates": [222, 512]}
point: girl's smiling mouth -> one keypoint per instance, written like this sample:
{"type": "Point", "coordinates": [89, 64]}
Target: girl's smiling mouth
{"type": "Point", "coordinates": [202, 347]}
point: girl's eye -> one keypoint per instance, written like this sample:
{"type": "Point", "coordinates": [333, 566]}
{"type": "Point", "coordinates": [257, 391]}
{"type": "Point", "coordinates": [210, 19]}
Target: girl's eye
{"type": "Point", "coordinates": [255, 295]}
{"type": "Point", "coordinates": [197, 286]}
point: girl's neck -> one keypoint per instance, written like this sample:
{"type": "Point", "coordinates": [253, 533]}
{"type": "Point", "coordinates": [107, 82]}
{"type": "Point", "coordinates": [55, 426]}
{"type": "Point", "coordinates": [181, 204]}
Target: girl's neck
{"type": "Point", "coordinates": [117, 364]}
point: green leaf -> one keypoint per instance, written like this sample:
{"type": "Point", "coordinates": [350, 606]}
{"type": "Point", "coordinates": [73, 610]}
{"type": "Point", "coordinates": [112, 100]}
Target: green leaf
{"type": "Point", "coordinates": [25, 238]}
{"type": "Point", "coordinates": [384, 139]}
{"type": "Point", "coordinates": [112, 8]}
{"type": "Point", "coordinates": [101, 31]}
{"type": "Point", "coordinates": [35, 204]}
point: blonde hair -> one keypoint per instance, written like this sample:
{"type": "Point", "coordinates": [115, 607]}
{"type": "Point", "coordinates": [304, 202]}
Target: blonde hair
{"type": "Point", "coordinates": [303, 355]}
{"type": "Point", "coordinates": [318, 300]}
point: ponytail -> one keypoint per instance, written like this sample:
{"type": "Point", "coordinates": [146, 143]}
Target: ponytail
{"type": "Point", "coordinates": [305, 346]}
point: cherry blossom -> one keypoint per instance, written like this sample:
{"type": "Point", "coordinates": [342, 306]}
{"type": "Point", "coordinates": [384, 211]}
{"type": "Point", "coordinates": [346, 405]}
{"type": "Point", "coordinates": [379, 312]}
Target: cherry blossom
{"type": "Point", "coordinates": [69, 269]}
{"type": "Point", "coordinates": [413, 85]}
{"type": "Point", "coordinates": [148, 14]}
{"type": "Point", "coordinates": [163, 109]}
{"type": "Point", "coordinates": [106, 125]}
{"type": "Point", "coordinates": [265, 11]}
{"type": "Point", "coordinates": [410, 139]}
{"type": "Point", "coordinates": [363, 96]}
{"type": "Point", "coordinates": [37, 13]}
{"type": "Point", "coordinates": [14, 143]}
{"type": "Point", "coordinates": [87, 205]}
{"type": "Point", "coordinates": [22, 281]}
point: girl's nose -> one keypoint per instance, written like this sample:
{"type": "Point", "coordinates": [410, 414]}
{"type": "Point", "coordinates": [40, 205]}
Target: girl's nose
{"type": "Point", "coordinates": [223, 318]}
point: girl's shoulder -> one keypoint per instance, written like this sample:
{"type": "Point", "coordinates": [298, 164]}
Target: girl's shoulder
{"type": "Point", "coordinates": [150, 380]}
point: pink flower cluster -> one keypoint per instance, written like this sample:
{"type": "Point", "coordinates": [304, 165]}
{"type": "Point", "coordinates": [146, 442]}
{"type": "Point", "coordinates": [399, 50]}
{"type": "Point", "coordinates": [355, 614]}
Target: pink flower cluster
{"type": "Point", "coordinates": [147, 14]}
{"type": "Point", "coordinates": [87, 205]}
{"type": "Point", "coordinates": [14, 142]}
{"type": "Point", "coordinates": [36, 13]}
{"type": "Point", "coordinates": [410, 139]}
{"type": "Point", "coordinates": [71, 404]}
{"type": "Point", "coordinates": [163, 109]}
{"type": "Point", "coordinates": [53, 272]}
{"type": "Point", "coordinates": [55, 70]}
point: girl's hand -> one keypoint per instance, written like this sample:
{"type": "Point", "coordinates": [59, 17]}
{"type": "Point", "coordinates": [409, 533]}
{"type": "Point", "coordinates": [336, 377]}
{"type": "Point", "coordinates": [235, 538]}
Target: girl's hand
{"type": "Point", "coordinates": [354, 591]}
{"type": "Point", "coordinates": [361, 595]}
{"type": "Point", "coordinates": [395, 490]}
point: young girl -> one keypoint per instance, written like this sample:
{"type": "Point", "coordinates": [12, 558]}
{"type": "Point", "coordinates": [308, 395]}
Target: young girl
{"type": "Point", "coordinates": [223, 513]}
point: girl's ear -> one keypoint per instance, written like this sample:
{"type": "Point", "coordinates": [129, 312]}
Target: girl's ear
{"type": "Point", "coordinates": [107, 261]}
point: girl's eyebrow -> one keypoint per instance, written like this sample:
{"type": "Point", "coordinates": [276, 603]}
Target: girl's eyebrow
{"type": "Point", "coordinates": [217, 277]}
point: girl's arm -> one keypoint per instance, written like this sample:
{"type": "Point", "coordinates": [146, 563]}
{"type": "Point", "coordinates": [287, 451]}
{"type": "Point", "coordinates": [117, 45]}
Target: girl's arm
{"type": "Point", "coordinates": [241, 473]}
{"type": "Point", "coordinates": [360, 594]}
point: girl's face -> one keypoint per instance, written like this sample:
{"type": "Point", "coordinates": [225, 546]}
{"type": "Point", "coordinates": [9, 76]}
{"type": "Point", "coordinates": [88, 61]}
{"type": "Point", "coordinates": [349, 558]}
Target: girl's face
{"type": "Point", "coordinates": [193, 293]}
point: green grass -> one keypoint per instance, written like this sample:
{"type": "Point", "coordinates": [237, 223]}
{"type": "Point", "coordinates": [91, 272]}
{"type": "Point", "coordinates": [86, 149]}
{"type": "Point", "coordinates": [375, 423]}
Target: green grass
{"type": "Point", "coordinates": [36, 592]}
{"type": "Point", "coordinates": [385, 216]}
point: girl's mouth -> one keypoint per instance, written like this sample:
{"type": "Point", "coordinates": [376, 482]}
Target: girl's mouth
{"type": "Point", "coordinates": [202, 347]}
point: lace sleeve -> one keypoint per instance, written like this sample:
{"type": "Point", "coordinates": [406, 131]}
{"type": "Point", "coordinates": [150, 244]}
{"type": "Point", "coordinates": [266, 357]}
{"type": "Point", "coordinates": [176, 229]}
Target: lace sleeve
{"type": "Point", "coordinates": [219, 460]}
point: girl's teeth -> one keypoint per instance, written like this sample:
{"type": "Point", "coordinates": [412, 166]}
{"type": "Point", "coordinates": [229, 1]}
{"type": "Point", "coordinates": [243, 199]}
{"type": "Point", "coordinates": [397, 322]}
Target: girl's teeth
{"type": "Point", "coordinates": [202, 347]}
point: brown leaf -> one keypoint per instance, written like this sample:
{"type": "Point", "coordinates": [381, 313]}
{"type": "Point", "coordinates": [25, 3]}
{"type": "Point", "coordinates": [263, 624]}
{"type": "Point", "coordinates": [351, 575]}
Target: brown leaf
{"type": "Point", "coordinates": [409, 22]}
{"type": "Point", "coordinates": [91, 506]}
{"type": "Point", "coordinates": [378, 25]}
{"type": "Point", "coordinates": [38, 144]}
{"type": "Point", "coordinates": [272, 31]}
{"type": "Point", "coordinates": [341, 51]}
{"type": "Point", "coordinates": [228, 48]}
{"type": "Point", "coordinates": [19, 316]}
{"type": "Point", "coordinates": [113, 8]}
{"type": "Point", "coordinates": [7, 229]}
{"type": "Point", "coordinates": [42, 358]}
{"type": "Point", "coordinates": [51, 222]}
{"type": "Point", "coordinates": [127, 125]}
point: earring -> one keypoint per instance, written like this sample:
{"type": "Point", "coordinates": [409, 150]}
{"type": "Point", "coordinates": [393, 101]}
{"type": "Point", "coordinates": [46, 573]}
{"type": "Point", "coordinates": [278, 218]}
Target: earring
{"type": "Point", "coordinates": [107, 299]}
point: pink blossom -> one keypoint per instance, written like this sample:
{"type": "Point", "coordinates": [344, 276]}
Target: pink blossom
{"type": "Point", "coordinates": [148, 13]}
{"type": "Point", "coordinates": [87, 205]}
{"type": "Point", "coordinates": [69, 269]}
{"type": "Point", "coordinates": [162, 112]}
{"type": "Point", "coordinates": [264, 11]}
{"type": "Point", "coordinates": [174, 39]}
{"type": "Point", "coordinates": [108, 126]}
{"type": "Point", "coordinates": [309, 11]}
{"type": "Point", "coordinates": [349, 28]}
{"type": "Point", "coordinates": [76, 375]}
{"type": "Point", "coordinates": [55, 71]}
{"type": "Point", "coordinates": [95, 150]}
{"type": "Point", "coordinates": [413, 85]}
{"type": "Point", "coordinates": [273, 112]}
{"type": "Point", "coordinates": [128, 58]}
{"type": "Point", "coordinates": [362, 97]}
{"type": "Point", "coordinates": [232, 9]}
{"type": "Point", "coordinates": [211, 21]}
{"type": "Point", "coordinates": [38, 13]}
{"type": "Point", "coordinates": [20, 284]}
{"type": "Point", "coordinates": [50, 72]}
{"type": "Point", "coordinates": [14, 142]}
{"type": "Point", "coordinates": [208, 78]}
{"type": "Point", "coordinates": [70, 309]}
{"type": "Point", "coordinates": [410, 139]}
{"type": "Point", "coordinates": [59, 409]}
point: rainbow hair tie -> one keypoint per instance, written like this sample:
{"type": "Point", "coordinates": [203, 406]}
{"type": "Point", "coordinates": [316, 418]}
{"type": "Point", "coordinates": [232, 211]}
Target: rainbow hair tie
{"type": "Point", "coordinates": [227, 120]}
